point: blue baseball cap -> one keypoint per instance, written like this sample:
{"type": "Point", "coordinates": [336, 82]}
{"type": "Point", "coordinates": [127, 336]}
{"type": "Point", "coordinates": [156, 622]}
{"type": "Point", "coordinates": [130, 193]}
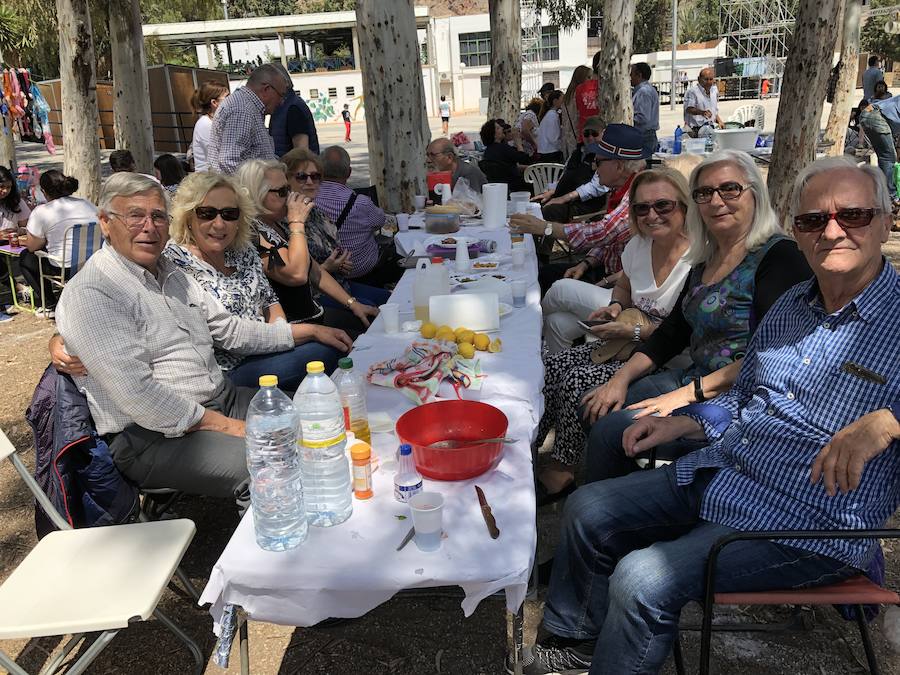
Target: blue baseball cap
{"type": "Point", "coordinates": [618, 141]}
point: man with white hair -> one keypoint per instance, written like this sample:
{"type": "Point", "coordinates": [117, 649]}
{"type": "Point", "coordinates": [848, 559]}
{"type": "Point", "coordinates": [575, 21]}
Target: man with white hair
{"type": "Point", "coordinates": [808, 438]}
{"type": "Point", "coordinates": [145, 332]}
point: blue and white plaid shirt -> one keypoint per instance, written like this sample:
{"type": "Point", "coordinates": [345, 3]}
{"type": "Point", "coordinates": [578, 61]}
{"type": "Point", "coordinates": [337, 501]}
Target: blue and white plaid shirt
{"type": "Point", "coordinates": [807, 375]}
{"type": "Point", "coordinates": [239, 132]}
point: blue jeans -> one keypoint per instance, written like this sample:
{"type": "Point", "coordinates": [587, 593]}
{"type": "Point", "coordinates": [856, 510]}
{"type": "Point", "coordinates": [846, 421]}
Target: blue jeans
{"type": "Point", "coordinates": [878, 131]}
{"type": "Point", "coordinates": [650, 143]}
{"type": "Point", "coordinates": [632, 554]}
{"type": "Point", "coordinates": [289, 366]}
{"type": "Point", "coordinates": [367, 294]}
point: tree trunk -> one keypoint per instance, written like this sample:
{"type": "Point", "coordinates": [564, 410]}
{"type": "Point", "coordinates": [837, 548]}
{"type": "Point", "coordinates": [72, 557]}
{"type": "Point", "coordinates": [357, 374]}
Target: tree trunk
{"type": "Point", "coordinates": [396, 123]}
{"type": "Point", "coordinates": [807, 70]}
{"type": "Point", "coordinates": [836, 129]}
{"type": "Point", "coordinates": [78, 84]}
{"type": "Point", "coordinates": [7, 149]}
{"type": "Point", "coordinates": [506, 60]}
{"type": "Point", "coordinates": [131, 102]}
{"type": "Point", "coordinates": [614, 92]}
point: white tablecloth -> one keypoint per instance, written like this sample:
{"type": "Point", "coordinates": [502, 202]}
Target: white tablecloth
{"type": "Point", "coordinates": [347, 570]}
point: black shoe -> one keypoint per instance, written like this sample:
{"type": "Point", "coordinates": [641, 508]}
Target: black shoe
{"type": "Point", "coordinates": [555, 655]}
{"type": "Point", "coordinates": [545, 498]}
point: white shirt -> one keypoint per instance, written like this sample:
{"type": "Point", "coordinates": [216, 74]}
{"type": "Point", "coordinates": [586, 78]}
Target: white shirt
{"type": "Point", "coordinates": [549, 134]}
{"type": "Point", "coordinates": [444, 107]}
{"type": "Point", "coordinates": [202, 132]}
{"type": "Point", "coordinates": [656, 301]}
{"type": "Point", "coordinates": [51, 221]}
{"type": "Point", "coordinates": [10, 220]}
{"type": "Point", "coordinates": [696, 97]}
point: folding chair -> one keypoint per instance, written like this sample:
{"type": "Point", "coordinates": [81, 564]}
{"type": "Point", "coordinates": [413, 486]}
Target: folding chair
{"type": "Point", "coordinates": [542, 174]}
{"type": "Point", "coordinates": [100, 579]}
{"type": "Point", "coordinates": [80, 242]}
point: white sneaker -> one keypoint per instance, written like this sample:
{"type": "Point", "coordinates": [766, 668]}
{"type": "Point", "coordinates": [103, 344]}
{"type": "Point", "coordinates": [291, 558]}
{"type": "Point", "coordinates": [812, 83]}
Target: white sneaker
{"type": "Point", "coordinates": [45, 314]}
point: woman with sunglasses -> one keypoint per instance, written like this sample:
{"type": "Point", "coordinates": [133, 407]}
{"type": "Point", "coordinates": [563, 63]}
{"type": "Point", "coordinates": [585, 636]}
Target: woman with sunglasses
{"type": "Point", "coordinates": [212, 241]}
{"type": "Point", "coordinates": [653, 272]}
{"type": "Point", "coordinates": [742, 262]}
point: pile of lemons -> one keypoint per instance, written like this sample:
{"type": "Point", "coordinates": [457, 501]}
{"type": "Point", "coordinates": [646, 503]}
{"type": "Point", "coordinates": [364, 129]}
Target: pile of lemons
{"type": "Point", "coordinates": [467, 341]}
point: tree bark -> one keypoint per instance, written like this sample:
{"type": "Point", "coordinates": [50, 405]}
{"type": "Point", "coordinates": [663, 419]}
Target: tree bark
{"type": "Point", "coordinates": [396, 123]}
{"type": "Point", "coordinates": [78, 84]}
{"type": "Point", "coordinates": [506, 59]}
{"type": "Point", "coordinates": [839, 117]}
{"type": "Point", "coordinates": [131, 102]}
{"type": "Point", "coordinates": [807, 70]}
{"type": "Point", "coordinates": [7, 149]}
{"type": "Point", "coordinates": [614, 90]}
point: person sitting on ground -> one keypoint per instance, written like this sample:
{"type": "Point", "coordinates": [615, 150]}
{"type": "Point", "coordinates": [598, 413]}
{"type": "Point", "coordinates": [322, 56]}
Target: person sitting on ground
{"type": "Point", "coordinates": [49, 229]}
{"type": "Point", "coordinates": [782, 453]}
{"type": "Point", "coordinates": [145, 332]}
{"type": "Point", "coordinates": [502, 162]}
{"type": "Point", "coordinates": [549, 132]}
{"type": "Point", "coordinates": [441, 154]}
{"type": "Point", "coordinates": [358, 221]}
{"type": "Point", "coordinates": [14, 213]}
{"type": "Point", "coordinates": [618, 156]}
{"type": "Point", "coordinates": [742, 262]}
{"type": "Point", "coordinates": [653, 273]}
{"type": "Point", "coordinates": [121, 160]}
{"type": "Point", "coordinates": [701, 104]}
{"type": "Point", "coordinates": [169, 171]}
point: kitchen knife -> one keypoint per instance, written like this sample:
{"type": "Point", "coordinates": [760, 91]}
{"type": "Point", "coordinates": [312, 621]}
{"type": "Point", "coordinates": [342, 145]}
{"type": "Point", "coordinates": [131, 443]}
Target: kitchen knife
{"type": "Point", "coordinates": [407, 538]}
{"type": "Point", "coordinates": [486, 512]}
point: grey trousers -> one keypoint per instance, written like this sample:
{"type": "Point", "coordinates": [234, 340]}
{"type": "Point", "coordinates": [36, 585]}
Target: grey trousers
{"type": "Point", "coordinates": [201, 462]}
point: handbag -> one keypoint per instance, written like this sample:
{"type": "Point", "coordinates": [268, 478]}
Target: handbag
{"type": "Point", "coordinates": [620, 349]}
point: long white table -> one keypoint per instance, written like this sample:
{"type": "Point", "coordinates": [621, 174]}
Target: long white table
{"type": "Point", "coordinates": [347, 570]}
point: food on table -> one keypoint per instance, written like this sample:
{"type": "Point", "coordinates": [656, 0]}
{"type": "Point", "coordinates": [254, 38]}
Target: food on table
{"type": "Point", "coordinates": [429, 330]}
{"type": "Point", "coordinates": [495, 346]}
{"type": "Point", "coordinates": [446, 334]}
{"type": "Point", "coordinates": [485, 265]}
{"type": "Point", "coordinates": [444, 208]}
{"type": "Point", "coordinates": [466, 336]}
{"type": "Point", "coordinates": [466, 350]}
{"type": "Point", "coordinates": [459, 331]}
{"type": "Point", "coordinates": [481, 342]}
{"type": "Point", "coordinates": [448, 241]}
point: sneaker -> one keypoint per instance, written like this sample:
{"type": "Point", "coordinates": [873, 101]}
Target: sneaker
{"type": "Point", "coordinates": [45, 313]}
{"type": "Point", "coordinates": [4, 317]}
{"type": "Point", "coordinates": [555, 656]}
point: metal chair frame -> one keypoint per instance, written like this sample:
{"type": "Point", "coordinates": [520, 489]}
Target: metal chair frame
{"type": "Point", "coordinates": [69, 245]}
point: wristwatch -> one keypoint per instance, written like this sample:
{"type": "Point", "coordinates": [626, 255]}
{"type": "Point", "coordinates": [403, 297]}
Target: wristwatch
{"type": "Point", "coordinates": [636, 335]}
{"type": "Point", "coordinates": [350, 301]}
{"type": "Point", "coordinates": [698, 390]}
{"type": "Point", "coordinates": [548, 229]}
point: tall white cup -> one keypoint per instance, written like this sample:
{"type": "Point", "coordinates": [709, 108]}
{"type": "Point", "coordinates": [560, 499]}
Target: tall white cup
{"type": "Point", "coordinates": [419, 201]}
{"type": "Point", "coordinates": [403, 222]}
{"type": "Point", "coordinates": [427, 515]}
{"type": "Point", "coordinates": [390, 315]}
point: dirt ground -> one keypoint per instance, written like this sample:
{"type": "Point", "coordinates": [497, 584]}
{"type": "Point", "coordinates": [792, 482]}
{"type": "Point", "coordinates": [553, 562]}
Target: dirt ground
{"type": "Point", "coordinates": [415, 634]}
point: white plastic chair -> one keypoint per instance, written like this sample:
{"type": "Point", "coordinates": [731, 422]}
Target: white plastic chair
{"type": "Point", "coordinates": [80, 242]}
{"type": "Point", "coordinates": [98, 579]}
{"type": "Point", "coordinates": [542, 174]}
{"type": "Point", "coordinates": [753, 111]}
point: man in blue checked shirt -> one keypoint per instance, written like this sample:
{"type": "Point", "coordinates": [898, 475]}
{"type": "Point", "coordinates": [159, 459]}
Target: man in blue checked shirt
{"type": "Point", "coordinates": [808, 438]}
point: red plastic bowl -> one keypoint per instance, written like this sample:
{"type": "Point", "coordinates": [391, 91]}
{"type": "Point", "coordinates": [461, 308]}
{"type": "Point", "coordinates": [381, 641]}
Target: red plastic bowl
{"type": "Point", "coordinates": [457, 421]}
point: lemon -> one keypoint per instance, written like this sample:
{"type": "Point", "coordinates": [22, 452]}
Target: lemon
{"type": "Point", "coordinates": [466, 336]}
{"type": "Point", "coordinates": [467, 350]}
{"type": "Point", "coordinates": [446, 335]}
{"type": "Point", "coordinates": [446, 329]}
{"type": "Point", "coordinates": [459, 331]}
{"type": "Point", "coordinates": [481, 342]}
{"type": "Point", "coordinates": [495, 346]}
{"type": "Point", "coordinates": [429, 330]}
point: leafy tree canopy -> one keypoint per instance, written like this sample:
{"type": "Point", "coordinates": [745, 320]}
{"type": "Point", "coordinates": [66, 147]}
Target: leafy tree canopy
{"type": "Point", "coordinates": [873, 38]}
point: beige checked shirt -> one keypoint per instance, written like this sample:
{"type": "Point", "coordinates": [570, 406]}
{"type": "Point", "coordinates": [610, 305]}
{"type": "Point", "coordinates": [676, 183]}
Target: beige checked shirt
{"type": "Point", "coordinates": [147, 342]}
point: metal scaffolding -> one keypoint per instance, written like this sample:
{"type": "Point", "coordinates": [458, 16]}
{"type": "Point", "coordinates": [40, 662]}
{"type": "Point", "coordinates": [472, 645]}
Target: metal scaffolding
{"type": "Point", "coordinates": [532, 57]}
{"type": "Point", "coordinates": [758, 32]}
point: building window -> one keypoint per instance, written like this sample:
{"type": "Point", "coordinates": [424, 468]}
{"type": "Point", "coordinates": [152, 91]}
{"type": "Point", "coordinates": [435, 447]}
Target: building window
{"type": "Point", "coordinates": [550, 43]}
{"type": "Point", "coordinates": [595, 23]}
{"type": "Point", "coordinates": [332, 92]}
{"type": "Point", "coordinates": [351, 91]}
{"type": "Point", "coordinates": [485, 86]}
{"type": "Point", "coordinates": [314, 93]}
{"type": "Point", "coordinates": [475, 48]}
{"type": "Point", "coordinates": [553, 77]}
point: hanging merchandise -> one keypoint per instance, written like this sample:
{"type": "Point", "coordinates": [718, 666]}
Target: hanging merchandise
{"type": "Point", "coordinates": [42, 118]}
{"type": "Point", "coordinates": [24, 112]}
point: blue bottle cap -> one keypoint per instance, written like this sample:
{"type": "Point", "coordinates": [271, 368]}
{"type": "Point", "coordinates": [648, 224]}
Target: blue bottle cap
{"type": "Point", "coordinates": [406, 449]}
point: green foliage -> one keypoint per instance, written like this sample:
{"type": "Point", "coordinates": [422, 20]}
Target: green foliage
{"type": "Point", "coordinates": [311, 6]}
{"type": "Point", "coordinates": [12, 30]}
{"type": "Point", "coordinates": [873, 38]}
{"type": "Point", "coordinates": [698, 21]}
{"type": "Point", "coordinates": [650, 24]}
{"type": "Point", "coordinates": [238, 9]}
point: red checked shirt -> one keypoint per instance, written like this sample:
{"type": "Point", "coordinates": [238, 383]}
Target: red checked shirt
{"type": "Point", "coordinates": [607, 237]}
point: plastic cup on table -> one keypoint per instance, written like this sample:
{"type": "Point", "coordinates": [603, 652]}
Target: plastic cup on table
{"type": "Point", "coordinates": [519, 288]}
{"type": "Point", "coordinates": [427, 516]}
{"type": "Point", "coordinates": [402, 222]}
{"type": "Point", "coordinates": [419, 201]}
{"type": "Point", "coordinates": [390, 314]}
{"type": "Point", "coordinates": [518, 257]}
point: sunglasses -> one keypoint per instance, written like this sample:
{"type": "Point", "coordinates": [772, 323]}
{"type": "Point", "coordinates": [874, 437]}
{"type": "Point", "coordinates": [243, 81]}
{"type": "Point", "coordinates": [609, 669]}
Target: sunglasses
{"type": "Point", "coordinates": [303, 177]}
{"type": "Point", "coordinates": [846, 218]}
{"type": "Point", "coordinates": [661, 206]}
{"type": "Point", "coordinates": [591, 132]}
{"type": "Point", "coordinates": [207, 213]}
{"type": "Point", "coordinates": [282, 192]}
{"type": "Point", "coordinates": [728, 191]}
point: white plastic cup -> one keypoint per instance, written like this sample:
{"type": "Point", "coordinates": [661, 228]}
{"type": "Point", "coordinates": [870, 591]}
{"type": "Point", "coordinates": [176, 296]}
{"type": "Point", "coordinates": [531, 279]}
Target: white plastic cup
{"type": "Point", "coordinates": [419, 201]}
{"type": "Point", "coordinates": [403, 222]}
{"type": "Point", "coordinates": [427, 516]}
{"type": "Point", "coordinates": [519, 207]}
{"type": "Point", "coordinates": [519, 196]}
{"type": "Point", "coordinates": [518, 257]}
{"type": "Point", "coordinates": [519, 289]}
{"type": "Point", "coordinates": [390, 315]}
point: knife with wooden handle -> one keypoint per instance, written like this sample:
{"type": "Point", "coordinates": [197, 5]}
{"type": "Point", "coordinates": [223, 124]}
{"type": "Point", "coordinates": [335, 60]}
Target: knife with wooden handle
{"type": "Point", "coordinates": [486, 512]}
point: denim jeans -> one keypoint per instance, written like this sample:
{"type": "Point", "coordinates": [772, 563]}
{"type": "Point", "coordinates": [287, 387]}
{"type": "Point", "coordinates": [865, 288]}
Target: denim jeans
{"type": "Point", "coordinates": [366, 294]}
{"type": "Point", "coordinates": [289, 366]}
{"type": "Point", "coordinates": [632, 553]}
{"type": "Point", "coordinates": [878, 131]}
{"type": "Point", "coordinates": [650, 143]}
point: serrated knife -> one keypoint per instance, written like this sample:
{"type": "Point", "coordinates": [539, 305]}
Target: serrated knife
{"type": "Point", "coordinates": [486, 512]}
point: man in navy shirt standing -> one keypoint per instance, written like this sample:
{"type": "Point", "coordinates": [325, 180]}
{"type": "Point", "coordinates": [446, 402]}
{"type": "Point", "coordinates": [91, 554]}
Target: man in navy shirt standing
{"type": "Point", "coordinates": [292, 124]}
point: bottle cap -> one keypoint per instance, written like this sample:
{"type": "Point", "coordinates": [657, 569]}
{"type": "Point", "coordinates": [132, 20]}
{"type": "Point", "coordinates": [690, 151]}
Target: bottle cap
{"type": "Point", "coordinates": [315, 367]}
{"type": "Point", "coordinates": [360, 450]}
{"type": "Point", "coordinates": [345, 363]}
{"type": "Point", "coordinates": [437, 260]}
{"type": "Point", "coordinates": [268, 380]}
{"type": "Point", "coordinates": [406, 449]}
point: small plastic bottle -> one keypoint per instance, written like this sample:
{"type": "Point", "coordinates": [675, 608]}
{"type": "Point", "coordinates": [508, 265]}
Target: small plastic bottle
{"type": "Point", "coordinates": [361, 454]}
{"type": "Point", "coordinates": [408, 481]}
{"type": "Point", "coordinates": [676, 146]}
{"type": "Point", "coordinates": [709, 146]}
{"type": "Point", "coordinates": [351, 386]}
{"type": "Point", "coordinates": [462, 255]}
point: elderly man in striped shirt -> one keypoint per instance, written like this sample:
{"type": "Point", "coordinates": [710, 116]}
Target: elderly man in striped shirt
{"type": "Point", "coordinates": [808, 438]}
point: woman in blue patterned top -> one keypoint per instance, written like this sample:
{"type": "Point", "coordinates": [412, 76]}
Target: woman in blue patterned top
{"type": "Point", "coordinates": [742, 262]}
{"type": "Point", "coordinates": [211, 241]}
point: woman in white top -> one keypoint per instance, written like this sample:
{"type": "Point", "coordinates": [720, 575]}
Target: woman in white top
{"type": "Point", "coordinates": [549, 134]}
{"type": "Point", "coordinates": [49, 228]}
{"type": "Point", "coordinates": [206, 100]}
{"type": "Point", "coordinates": [653, 273]}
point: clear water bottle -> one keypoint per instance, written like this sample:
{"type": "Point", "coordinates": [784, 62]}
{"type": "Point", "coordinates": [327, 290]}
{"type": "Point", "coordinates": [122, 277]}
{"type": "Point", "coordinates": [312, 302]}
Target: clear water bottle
{"type": "Point", "coordinates": [676, 146]}
{"type": "Point", "coordinates": [408, 481]}
{"type": "Point", "coordinates": [276, 487]}
{"type": "Point", "coordinates": [326, 472]}
{"type": "Point", "coordinates": [352, 387]}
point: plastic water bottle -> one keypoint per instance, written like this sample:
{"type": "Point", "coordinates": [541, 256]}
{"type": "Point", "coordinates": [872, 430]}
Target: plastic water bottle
{"type": "Point", "coordinates": [276, 487]}
{"type": "Point", "coordinates": [676, 146]}
{"type": "Point", "coordinates": [326, 472]}
{"type": "Point", "coordinates": [352, 388]}
{"type": "Point", "coordinates": [408, 481]}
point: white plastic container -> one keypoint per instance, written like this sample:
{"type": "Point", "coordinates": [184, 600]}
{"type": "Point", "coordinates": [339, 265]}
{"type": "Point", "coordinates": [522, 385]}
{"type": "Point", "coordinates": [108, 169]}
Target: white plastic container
{"type": "Point", "coordinates": [432, 278]}
{"type": "Point", "coordinates": [735, 139]}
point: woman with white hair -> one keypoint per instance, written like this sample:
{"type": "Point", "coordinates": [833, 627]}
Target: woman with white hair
{"type": "Point", "coordinates": [742, 262]}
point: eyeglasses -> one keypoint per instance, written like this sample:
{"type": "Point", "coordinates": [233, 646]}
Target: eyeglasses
{"type": "Point", "coordinates": [661, 206]}
{"type": "Point", "coordinates": [435, 154]}
{"type": "Point", "coordinates": [591, 132]}
{"type": "Point", "coordinates": [728, 191]}
{"type": "Point", "coordinates": [134, 220]}
{"type": "Point", "coordinates": [282, 192]}
{"type": "Point", "coordinates": [207, 213]}
{"type": "Point", "coordinates": [281, 94]}
{"type": "Point", "coordinates": [846, 218]}
{"type": "Point", "coordinates": [303, 177]}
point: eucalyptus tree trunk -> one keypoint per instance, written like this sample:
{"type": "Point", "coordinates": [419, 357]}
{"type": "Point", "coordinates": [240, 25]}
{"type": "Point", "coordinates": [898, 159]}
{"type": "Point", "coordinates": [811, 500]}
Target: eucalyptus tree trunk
{"type": "Point", "coordinates": [839, 117]}
{"type": "Point", "coordinates": [131, 102]}
{"type": "Point", "coordinates": [396, 123]}
{"type": "Point", "coordinates": [78, 91]}
{"type": "Point", "coordinates": [506, 59]}
{"type": "Point", "coordinates": [614, 90]}
{"type": "Point", "coordinates": [7, 149]}
{"type": "Point", "coordinates": [807, 70]}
